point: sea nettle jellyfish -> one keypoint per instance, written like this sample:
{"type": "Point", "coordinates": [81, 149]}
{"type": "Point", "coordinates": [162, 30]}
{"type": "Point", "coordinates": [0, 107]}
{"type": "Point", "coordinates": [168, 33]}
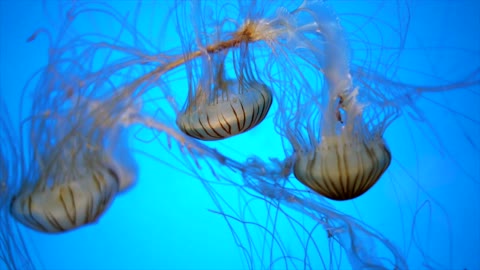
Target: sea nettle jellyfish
{"type": "Point", "coordinates": [77, 160]}
{"type": "Point", "coordinates": [219, 104]}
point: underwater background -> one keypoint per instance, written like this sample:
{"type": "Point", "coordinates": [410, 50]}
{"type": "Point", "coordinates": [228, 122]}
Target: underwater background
{"type": "Point", "coordinates": [427, 203]}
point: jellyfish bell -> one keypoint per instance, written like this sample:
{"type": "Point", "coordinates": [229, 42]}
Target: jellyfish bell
{"type": "Point", "coordinates": [230, 114]}
{"type": "Point", "coordinates": [79, 200]}
{"type": "Point", "coordinates": [225, 108]}
{"type": "Point", "coordinates": [343, 167]}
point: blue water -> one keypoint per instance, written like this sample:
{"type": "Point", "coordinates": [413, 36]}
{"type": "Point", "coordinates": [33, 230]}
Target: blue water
{"type": "Point", "coordinates": [426, 205]}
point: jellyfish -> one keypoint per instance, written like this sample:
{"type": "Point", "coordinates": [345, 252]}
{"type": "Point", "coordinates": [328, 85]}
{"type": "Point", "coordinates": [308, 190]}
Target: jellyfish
{"type": "Point", "coordinates": [72, 184]}
{"type": "Point", "coordinates": [220, 104]}
{"type": "Point", "coordinates": [324, 96]}
{"type": "Point", "coordinates": [78, 158]}
{"type": "Point", "coordinates": [341, 152]}
{"type": "Point", "coordinates": [337, 126]}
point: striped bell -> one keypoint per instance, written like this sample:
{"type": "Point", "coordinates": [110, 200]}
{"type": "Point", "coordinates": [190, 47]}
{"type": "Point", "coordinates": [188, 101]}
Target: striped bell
{"type": "Point", "coordinates": [234, 108]}
{"type": "Point", "coordinates": [69, 204]}
{"type": "Point", "coordinates": [343, 167]}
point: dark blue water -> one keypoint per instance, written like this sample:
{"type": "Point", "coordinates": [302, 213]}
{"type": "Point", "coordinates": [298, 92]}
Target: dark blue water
{"type": "Point", "coordinates": [187, 210]}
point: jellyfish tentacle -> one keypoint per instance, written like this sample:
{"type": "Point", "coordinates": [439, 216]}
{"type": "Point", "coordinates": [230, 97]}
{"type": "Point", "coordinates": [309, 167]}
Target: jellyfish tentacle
{"type": "Point", "coordinates": [14, 252]}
